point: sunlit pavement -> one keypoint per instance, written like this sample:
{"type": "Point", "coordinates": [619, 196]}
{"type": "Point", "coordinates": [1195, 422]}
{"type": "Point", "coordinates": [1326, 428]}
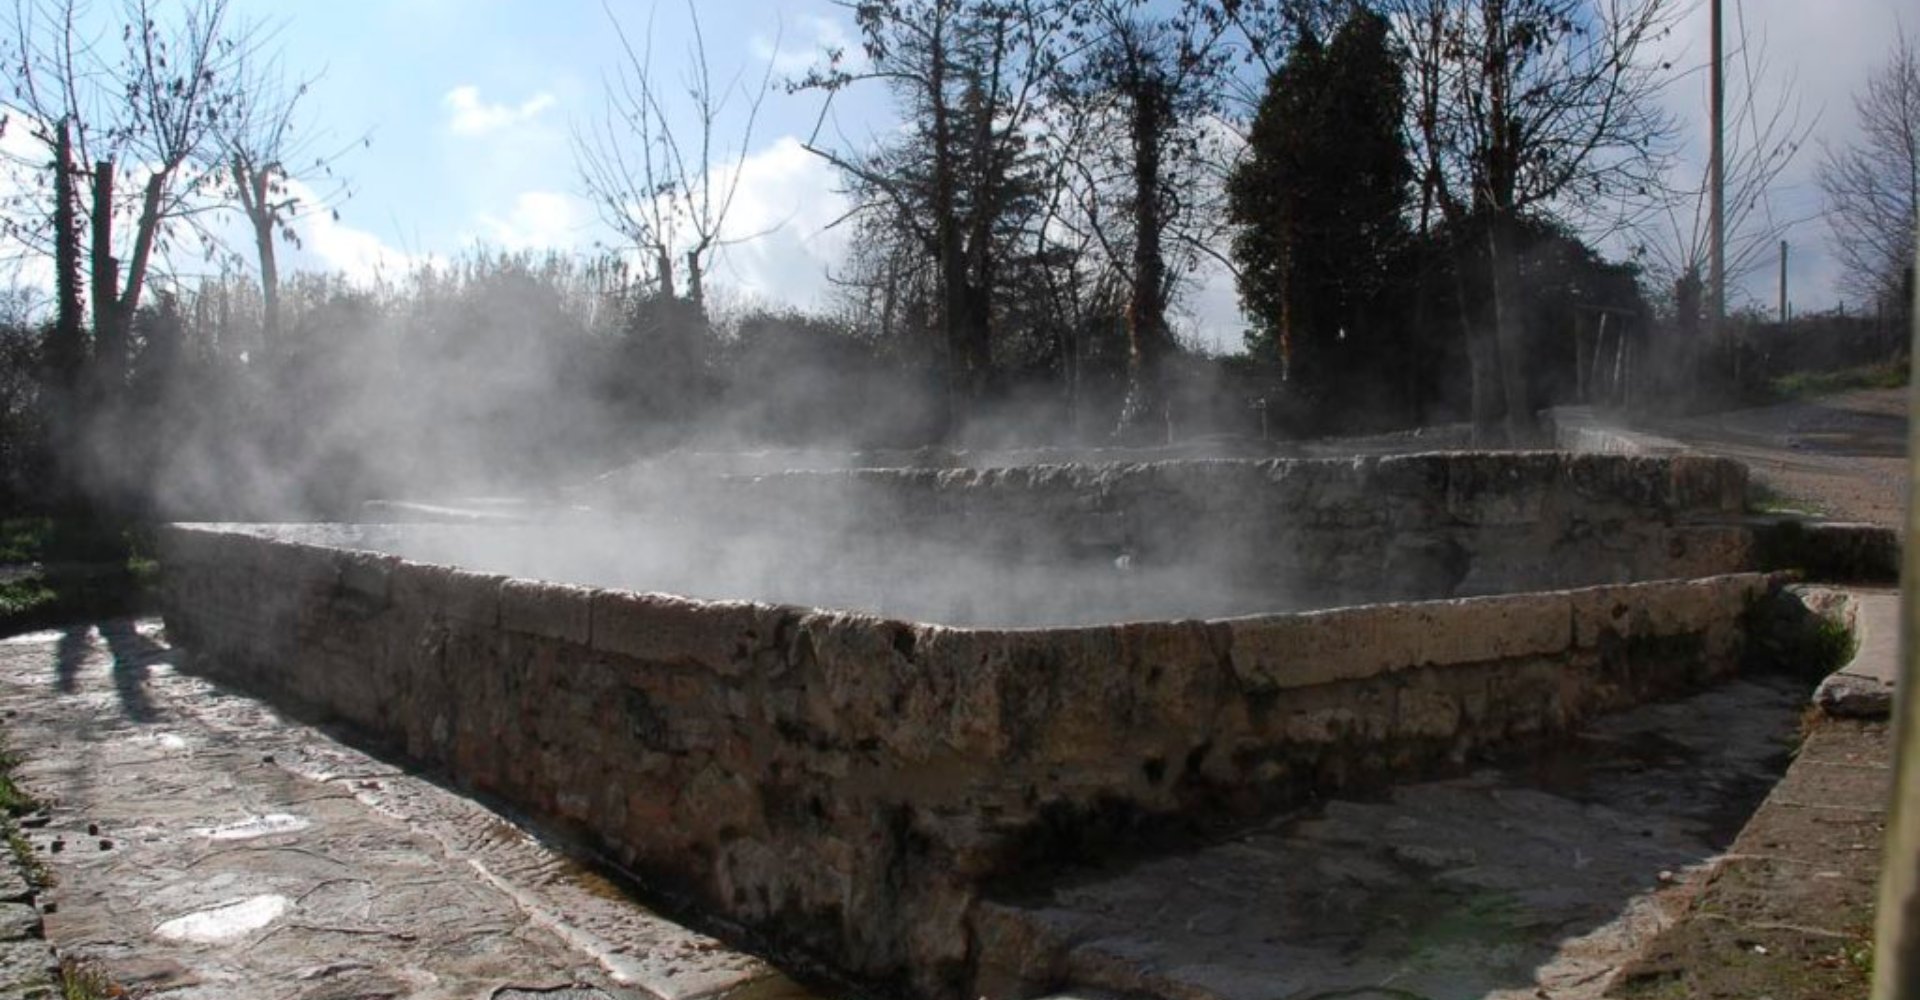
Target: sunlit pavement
{"type": "Point", "coordinates": [205, 846]}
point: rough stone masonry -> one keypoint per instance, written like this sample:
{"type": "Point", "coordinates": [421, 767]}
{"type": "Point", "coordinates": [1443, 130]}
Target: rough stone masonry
{"type": "Point", "coordinates": [842, 785]}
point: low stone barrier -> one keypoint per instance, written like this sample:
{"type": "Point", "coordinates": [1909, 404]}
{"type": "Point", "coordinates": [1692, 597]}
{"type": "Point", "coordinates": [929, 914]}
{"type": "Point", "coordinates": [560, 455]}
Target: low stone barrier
{"type": "Point", "coordinates": [841, 786]}
{"type": "Point", "coordinates": [1252, 536]}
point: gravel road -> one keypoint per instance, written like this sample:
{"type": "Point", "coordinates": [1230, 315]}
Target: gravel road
{"type": "Point", "coordinates": [1842, 455]}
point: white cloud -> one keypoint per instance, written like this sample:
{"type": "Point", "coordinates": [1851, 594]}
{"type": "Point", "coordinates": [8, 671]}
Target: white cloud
{"type": "Point", "coordinates": [330, 245]}
{"type": "Point", "coordinates": [785, 202]}
{"type": "Point", "coordinates": [356, 253]}
{"type": "Point", "coordinates": [538, 220]}
{"type": "Point", "coordinates": [472, 116]}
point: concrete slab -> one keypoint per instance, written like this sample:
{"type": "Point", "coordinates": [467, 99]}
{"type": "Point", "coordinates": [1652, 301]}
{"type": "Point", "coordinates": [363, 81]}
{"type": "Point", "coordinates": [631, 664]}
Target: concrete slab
{"type": "Point", "coordinates": [1864, 688]}
{"type": "Point", "coordinates": [1535, 879]}
{"type": "Point", "coordinates": [205, 847]}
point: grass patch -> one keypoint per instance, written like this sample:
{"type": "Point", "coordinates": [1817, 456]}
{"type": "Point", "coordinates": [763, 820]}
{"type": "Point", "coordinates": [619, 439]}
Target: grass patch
{"type": "Point", "coordinates": [82, 981]}
{"type": "Point", "coordinates": [1764, 499]}
{"type": "Point", "coordinates": [1830, 646]}
{"type": "Point", "coordinates": [32, 868]}
{"type": "Point", "coordinates": [1801, 385]}
{"type": "Point", "coordinates": [22, 598]}
{"type": "Point", "coordinates": [78, 568]}
{"type": "Point", "coordinates": [23, 539]}
{"type": "Point", "coordinates": [1787, 637]}
{"type": "Point", "coordinates": [15, 803]}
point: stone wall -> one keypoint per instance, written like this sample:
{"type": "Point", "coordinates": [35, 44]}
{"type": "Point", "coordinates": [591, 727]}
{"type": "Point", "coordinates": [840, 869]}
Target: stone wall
{"type": "Point", "coordinates": [842, 786]}
{"type": "Point", "coordinates": [1240, 536]}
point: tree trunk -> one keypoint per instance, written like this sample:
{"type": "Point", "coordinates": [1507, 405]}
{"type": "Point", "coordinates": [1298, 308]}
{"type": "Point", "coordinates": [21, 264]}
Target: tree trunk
{"type": "Point", "coordinates": [1483, 349]}
{"type": "Point", "coordinates": [269, 285]}
{"type": "Point", "coordinates": [255, 187]}
{"type": "Point", "coordinates": [1497, 202]}
{"type": "Point", "coordinates": [696, 285]}
{"type": "Point", "coordinates": [1148, 339]}
{"type": "Point", "coordinates": [67, 348]}
{"type": "Point", "coordinates": [261, 213]}
{"type": "Point", "coordinates": [67, 352]}
{"type": "Point", "coordinates": [144, 237]}
{"type": "Point", "coordinates": [105, 267]}
{"type": "Point", "coordinates": [947, 248]}
{"type": "Point", "coordinates": [1510, 328]}
{"type": "Point", "coordinates": [663, 260]}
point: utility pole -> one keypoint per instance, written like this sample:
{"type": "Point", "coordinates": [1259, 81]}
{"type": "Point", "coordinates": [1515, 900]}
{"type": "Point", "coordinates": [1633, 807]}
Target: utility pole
{"type": "Point", "coordinates": [1716, 181]}
{"type": "Point", "coordinates": [1783, 282]}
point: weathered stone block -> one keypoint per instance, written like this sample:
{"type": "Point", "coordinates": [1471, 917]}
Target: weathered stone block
{"type": "Point", "coordinates": [473, 598]}
{"type": "Point", "coordinates": [1323, 647]}
{"type": "Point", "coordinates": [1701, 484]}
{"type": "Point", "coordinates": [1709, 550]}
{"type": "Point", "coordinates": [552, 610]}
{"type": "Point", "coordinates": [719, 636]}
{"type": "Point", "coordinates": [1662, 608]}
{"type": "Point", "coordinates": [364, 576]}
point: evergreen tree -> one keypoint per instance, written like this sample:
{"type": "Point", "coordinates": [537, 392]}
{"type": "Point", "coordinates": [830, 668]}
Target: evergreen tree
{"type": "Point", "coordinates": [1321, 200]}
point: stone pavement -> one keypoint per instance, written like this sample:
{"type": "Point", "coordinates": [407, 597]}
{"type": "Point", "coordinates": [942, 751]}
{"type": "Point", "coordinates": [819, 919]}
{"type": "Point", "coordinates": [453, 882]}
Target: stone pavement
{"type": "Point", "coordinates": [203, 846]}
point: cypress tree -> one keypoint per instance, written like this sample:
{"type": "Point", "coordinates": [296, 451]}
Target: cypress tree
{"type": "Point", "coordinates": [1322, 201]}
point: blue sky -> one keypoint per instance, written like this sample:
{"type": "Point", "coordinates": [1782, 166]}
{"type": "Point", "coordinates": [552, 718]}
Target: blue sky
{"type": "Point", "coordinates": [470, 107]}
{"type": "Point", "coordinates": [470, 104]}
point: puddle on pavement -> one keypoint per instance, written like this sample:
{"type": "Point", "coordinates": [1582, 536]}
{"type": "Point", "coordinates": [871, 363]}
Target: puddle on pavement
{"type": "Point", "coordinates": [257, 826]}
{"type": "Point", "coordinates": [225, 923]}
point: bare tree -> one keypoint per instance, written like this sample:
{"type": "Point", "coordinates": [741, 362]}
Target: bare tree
{"type": "Point", "coordinates": [1148, 85]}
{"type": "Point", "coordinates": [1872, 187]}
{"type": "Point", "coordinates": [145, 117]}
{"type": "Point", "coordinates": [971, 78]}
{"type": "Point", "coordinates": [655, 188]}
{"type": "Point", "coordinates": [1519, 107]}
{"type": "Point", "coordinates": [260, 147]}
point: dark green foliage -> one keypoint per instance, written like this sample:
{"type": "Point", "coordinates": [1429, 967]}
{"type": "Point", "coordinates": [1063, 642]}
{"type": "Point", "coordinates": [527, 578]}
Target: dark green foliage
{"type": "Point", "coordinates": [26, 460]}
{"type": "Point", "coordinates": [800, 380]}
{"type": "Point", "coordinates": [1322, 202]}
{"type": "Point", "coordinates": [83, 569]}
{"type": "Point", "coordinates": [1786, 636]}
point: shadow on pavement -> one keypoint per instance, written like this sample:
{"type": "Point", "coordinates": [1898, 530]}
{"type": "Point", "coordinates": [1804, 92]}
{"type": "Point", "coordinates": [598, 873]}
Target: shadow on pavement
{"type": "Point", "coordinates": [71, 652]}
{"type": "Point", "coordinates": [133, 655]}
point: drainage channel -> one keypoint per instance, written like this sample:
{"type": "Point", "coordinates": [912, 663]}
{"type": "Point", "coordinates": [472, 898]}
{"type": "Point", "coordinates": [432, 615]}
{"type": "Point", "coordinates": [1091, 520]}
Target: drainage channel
{"type": "Point", "coordinates": [1535, 878]}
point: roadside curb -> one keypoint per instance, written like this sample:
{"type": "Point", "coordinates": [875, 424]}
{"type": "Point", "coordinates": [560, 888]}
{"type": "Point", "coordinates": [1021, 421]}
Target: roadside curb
{"type": "Point", "coordinates": [29, 970]}
{"type": "Point", "coordinates": [1864, 688]}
